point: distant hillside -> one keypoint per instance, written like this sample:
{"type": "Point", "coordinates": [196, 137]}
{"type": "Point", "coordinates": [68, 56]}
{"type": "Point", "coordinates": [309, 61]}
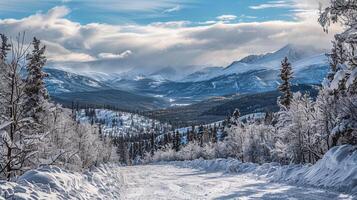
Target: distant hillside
{"type": "Point", "coordinates": [59, 81]}
{"type": "Point", "coordinates": [114, 98]}
{"type": "Point", "coordinates": [218, 108]}
{"type": "Point", "coordinates": [250, 75]}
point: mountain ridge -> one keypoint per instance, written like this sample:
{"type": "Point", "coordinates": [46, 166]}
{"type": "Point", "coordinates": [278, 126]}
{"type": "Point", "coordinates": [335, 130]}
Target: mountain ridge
{"type": "Point", "coordinates": [309, 67]}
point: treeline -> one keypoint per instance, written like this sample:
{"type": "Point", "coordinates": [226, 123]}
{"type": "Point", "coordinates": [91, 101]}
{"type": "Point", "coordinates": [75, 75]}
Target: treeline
{"type": "Point", "coordinates": [132, 149]}
{"type": "Point", "coordinates": [138, 137]}
{"type": "Point", "coordinates": [33, 130]}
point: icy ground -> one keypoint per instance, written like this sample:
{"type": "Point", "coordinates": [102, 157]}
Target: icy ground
{"type": "Point", "coordinates": [173, 182]}
{"type": "Point", "coordinates": [160, 181]}
{"type": "Point", "coordinates": [198, 179]}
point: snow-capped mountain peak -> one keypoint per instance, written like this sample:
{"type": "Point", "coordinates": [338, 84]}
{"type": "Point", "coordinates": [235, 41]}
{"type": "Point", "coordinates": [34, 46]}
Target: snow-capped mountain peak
{"type": "Point", "coordinates": [293, 52]}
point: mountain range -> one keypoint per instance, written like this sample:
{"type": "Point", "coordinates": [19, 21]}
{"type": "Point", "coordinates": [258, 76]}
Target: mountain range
{"type": "Point", "coordinates": [166, 87]}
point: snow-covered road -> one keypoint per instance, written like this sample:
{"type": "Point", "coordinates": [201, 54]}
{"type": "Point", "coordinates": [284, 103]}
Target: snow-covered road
{"type": "Point", "coordinates": [168, 181]}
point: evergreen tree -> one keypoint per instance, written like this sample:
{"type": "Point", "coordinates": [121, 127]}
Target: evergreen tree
{"type": "Point", "coordinates": [285, 75]}
{"type": "Point", "coordinates": [235, 117]}
{"type": "Point", "coordinates": [5, 47]}
{"type": "Point", "coordinates": [152, 143]}
{"type": "Point", "coordinates": [177, 140]}
{"type": "Point", "coordinates": [35, 89]}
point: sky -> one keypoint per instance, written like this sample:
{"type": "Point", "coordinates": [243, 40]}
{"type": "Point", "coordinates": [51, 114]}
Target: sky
{"type": "Point", "coordinates": [147, 35]}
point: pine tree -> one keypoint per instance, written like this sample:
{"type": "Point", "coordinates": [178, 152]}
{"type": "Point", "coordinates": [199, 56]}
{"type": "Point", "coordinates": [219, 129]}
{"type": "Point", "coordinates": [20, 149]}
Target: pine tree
{"type": "Point", "coordinates": [152, 143]}
{"type": "Point", "coordinates": [19, 141]}
{"type": "Point", "coordinates": [5, 47]}
{"type": "Point", "coordinates": [35, 89]}
{"type": "Point", "coordinates": [235, 117]}
{"type": "Point", "coordinates": [177, 141]}
{"type": "Point", "coordinates": [285, 75]}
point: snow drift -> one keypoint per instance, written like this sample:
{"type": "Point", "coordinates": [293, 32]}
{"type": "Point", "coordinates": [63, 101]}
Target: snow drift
{"type": "Point", "coordinates": [337, 170]}
{"type": "Point", "coordinates": [50, 182]}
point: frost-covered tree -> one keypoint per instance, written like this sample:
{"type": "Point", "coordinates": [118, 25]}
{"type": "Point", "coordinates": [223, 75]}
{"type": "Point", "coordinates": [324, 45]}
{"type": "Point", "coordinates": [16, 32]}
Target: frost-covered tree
{"type": "Point", "coordinates": [235, 117]}
{"type": "Point", "coordinates": [285, 76]}
{"type": "Point", "coordinates": [326, 117]}
{"type": "Point", "coordinates": [44, 133]}
{"type": "Point", "coordinates": [73, 145]}
{"type": "Point", "coordinates": [298, 139]}
{"type": "Point", "coordinates": [336, 57]}
{"type": "Point", "coordinates": [17, 141]}
{"type": "Point", "coordinates": [341, 85]}
{"type": "Point", "coordinates": [234, 141]}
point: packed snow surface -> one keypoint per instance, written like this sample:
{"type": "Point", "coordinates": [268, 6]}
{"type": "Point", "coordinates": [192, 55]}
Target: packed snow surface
{"type": "Point", "coordinates": [198, 179]}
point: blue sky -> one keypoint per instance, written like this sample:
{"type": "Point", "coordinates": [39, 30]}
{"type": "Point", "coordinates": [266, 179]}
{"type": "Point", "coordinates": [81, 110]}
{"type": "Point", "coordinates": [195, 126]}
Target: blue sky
{"type": "Point", "coordinates": [112, 12]}
{"type": "Point", "coordinates": [122, 35]}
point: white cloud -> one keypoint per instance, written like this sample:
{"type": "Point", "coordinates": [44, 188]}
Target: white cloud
{"type": "Point", "coordinates": [173, 9]}
{"type": "Point", "coordinates": [247, 17]}
{"type": "Point", "coordinates": [227, 17]}
{"type": "Point", "coordinates": [171, 24]}
{"type": "Point", "coordinates": [102, 47]}
{"type": "Point", "coordinates": [207, 22]}
{"type": "Point", "coordinates": [136, 5]}
{"type": "Point", "coordinates": [273, 4]}
{"type": "Point", "coordinates": [57, 53]}
{"type": "Point", "coordinates": [115, 56]}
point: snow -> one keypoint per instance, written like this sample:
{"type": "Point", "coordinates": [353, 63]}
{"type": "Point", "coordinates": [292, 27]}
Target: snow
{"type": "Point", "coordinates": [179, 104]}
{"type": "Point", "coordinates": [352, 78]}
{"type": "Point", "coordinates": [197, 179]}
{"type": "Point", "coordinates": [50, 182]}
{"type": "Point", "coordinates": [100, 76]}
{"type": "Point", "coordinates": [252, 117]}
{"type": "Point", "coordinates": [336, 170]}
{"type": "Point", "coordinates": [319, 59]}
{"type": "Point", "coordinates": [168, 181]}
{"type": "Point", "coordinates": [337, 79]}
{"type": "Point", "coordinates": [125, 123]}
{"type": "Point", "coordinates": [139, 77]}
{"type": "Point", "coordinates": [4, 125]}
{"type": "Point", "coordinates": [203, 74]}
{"type": "Point", "coordinates": [93, 84]}
{"type": "Point", "coordinates": [301, 57]}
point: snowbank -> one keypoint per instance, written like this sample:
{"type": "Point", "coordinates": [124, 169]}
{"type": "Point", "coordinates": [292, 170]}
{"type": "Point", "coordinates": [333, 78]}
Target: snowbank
{"type": "Point", "coordinates": [337, 170]}
{"type": "Point", "coordinates": [50, 182]}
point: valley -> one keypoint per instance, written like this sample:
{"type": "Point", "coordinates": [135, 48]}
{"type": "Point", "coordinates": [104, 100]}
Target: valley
{"type": "Point", "coordinates": [203, 96]}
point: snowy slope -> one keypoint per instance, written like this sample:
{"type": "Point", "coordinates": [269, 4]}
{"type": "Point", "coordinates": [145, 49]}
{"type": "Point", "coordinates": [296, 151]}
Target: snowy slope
{"type": "Point", "coordinates": [301, 57]}
{"type": "Point", "coordinates": [117, 123]}
{"type": "Point", "coordinates": [59, 81]}
{"type": "Point", "coordinates": [203, 74]}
